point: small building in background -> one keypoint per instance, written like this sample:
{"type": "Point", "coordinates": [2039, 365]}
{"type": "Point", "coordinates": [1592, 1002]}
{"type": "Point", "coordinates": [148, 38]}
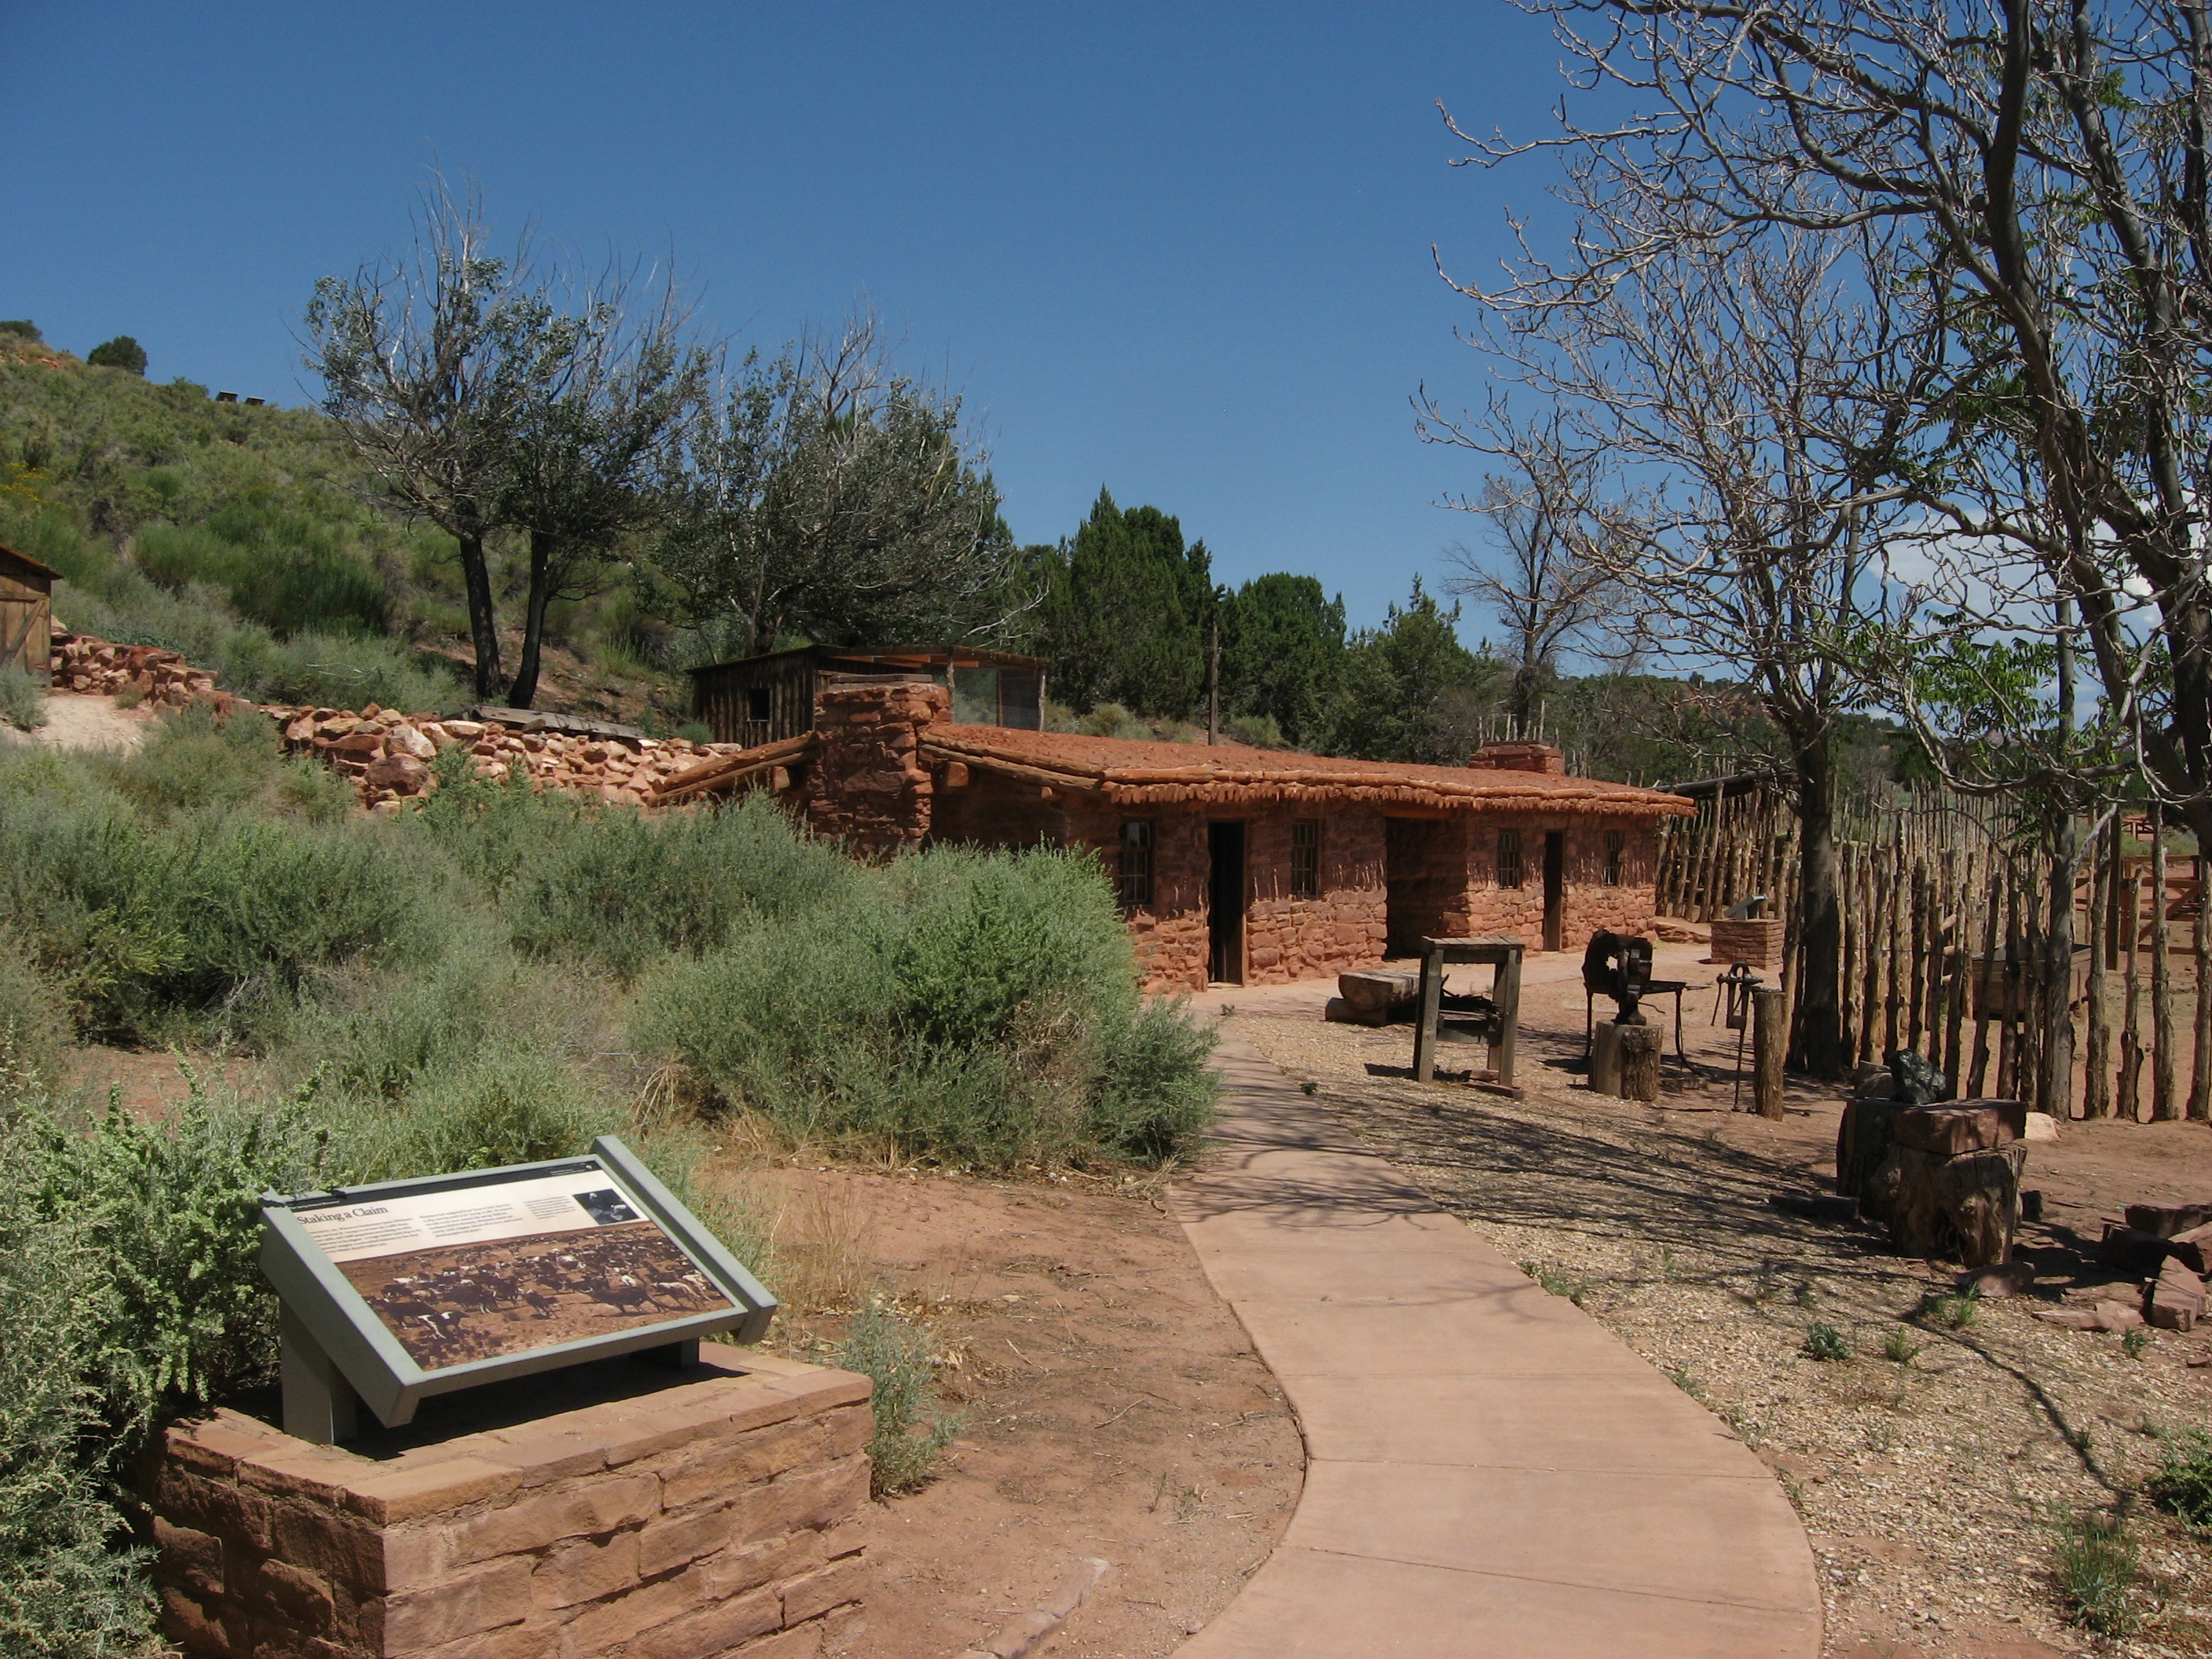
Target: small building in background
{"type": "Point", "coordinates": [27, 614]}
{"type": "Point", "coordinates": [764, 699]}
{"type": "Point", "coordinates": [1232, 865]}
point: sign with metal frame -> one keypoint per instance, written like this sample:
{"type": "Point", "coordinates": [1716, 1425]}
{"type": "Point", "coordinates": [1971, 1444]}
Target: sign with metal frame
{"type": "Point", "coordinates": [398, 1290]}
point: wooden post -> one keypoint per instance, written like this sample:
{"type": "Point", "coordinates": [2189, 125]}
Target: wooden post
{"type": "Point", "coordinates": [2200, 1079]}
{"type": "Point", "coordinates": [2097, 1044]}
{"type": "Point", "coordinates": [1769, 1038]}
{"type": "Point", "coordinates": [2127, 1098]}
{"type": "Point", "coordinates": [1425, 1030]}
{"type": "Point", "coordinates": [1980, 1071]}
{"type": "Point", "coordinates": [2164, 1107]}
{"type": "Point", "coordinates": [1505, 992]}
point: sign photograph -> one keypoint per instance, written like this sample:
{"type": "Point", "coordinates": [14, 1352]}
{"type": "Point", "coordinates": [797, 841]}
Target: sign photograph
{"type": "Point", "coordinates": [401, 1290]}
{"type": "Point", "coordinates": [508, 1265]}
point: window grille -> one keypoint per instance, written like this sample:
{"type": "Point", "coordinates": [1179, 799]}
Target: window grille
{"type": "Point", "coordinates": [1509, 858]}
{"type": "Point", "coordinates": [1614, 839]}
{"type": "Point", "coordinates": [1305, 859]}
{"type": "Point", "coordinates": [1132, 869]}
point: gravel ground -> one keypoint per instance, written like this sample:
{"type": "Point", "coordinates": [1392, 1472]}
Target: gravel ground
{"type": "Point", "coordinates": [1934, 1466]}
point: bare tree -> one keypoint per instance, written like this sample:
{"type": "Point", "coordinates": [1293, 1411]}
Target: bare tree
{"type": "Point", "coordinates": [825, 494]}
{"type": "Point", "coordinates": [2052, 164]}
{"type": "Point", "coordinates": [1757, 378]}
{"type": "Point", "coordinates": [1555, 582]}
{"type": "Point", "coordinates": [415, 361]}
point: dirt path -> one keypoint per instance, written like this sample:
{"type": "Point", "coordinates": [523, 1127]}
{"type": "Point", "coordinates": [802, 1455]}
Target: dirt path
{"type": "Point", "coordinates": [1931, 1486]}
{"type": "Point", "coordinates": [79, 720]}
{"type": "Point", "coordinates": [1113, 1408]}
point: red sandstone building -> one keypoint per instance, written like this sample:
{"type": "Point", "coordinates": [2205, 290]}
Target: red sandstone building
{"type": "Point", "coordinates": [1237, 865]}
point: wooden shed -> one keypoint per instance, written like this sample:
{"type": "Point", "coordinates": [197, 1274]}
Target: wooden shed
{"type": "Point", "coordinates": [27, 614]}
{"type": "Point", "coordinates": [765, 699]}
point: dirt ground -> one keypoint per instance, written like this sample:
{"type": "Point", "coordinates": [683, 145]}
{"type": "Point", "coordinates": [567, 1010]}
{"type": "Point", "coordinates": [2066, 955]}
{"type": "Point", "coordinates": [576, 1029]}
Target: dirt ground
{"type": "Point", "coordinates": [1931, 1486]}
{"type": "Point", "coordinates": [76, 720]}
{"type": "Point", "coordinates": [1112, 1407]}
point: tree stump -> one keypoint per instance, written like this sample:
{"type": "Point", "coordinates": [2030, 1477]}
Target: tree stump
{"type": "Point", "coordinates": [1625, 1059]}
{"type": "Point", "coordinates": [1770, 1043]}
{"type": "Point", "coordinates": [1861, 1145]}
{"type": "Point", "coordinates": [1962, 1209]}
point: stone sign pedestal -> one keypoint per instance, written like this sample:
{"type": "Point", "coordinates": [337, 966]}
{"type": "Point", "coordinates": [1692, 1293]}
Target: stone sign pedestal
{"type": "Point", "coordinates": [609, 1510]}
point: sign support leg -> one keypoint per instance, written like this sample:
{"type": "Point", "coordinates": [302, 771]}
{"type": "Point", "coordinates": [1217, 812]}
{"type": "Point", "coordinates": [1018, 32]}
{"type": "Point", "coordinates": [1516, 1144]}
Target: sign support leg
{"type": "Point", "coordinates": [320, 1404]}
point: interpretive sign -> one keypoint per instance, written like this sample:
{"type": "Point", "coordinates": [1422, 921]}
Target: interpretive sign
{"type": "Point", "coordinates": [406, 1289]}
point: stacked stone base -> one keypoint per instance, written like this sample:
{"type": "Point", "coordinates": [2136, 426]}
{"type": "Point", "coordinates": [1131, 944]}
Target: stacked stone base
{"type": "Point", "coordinates": [707, 1518]}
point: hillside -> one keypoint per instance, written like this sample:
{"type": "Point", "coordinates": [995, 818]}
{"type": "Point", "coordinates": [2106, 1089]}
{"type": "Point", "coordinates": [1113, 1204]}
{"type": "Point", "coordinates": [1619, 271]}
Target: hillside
{"type": "Point", "coordinates": [249, 539]}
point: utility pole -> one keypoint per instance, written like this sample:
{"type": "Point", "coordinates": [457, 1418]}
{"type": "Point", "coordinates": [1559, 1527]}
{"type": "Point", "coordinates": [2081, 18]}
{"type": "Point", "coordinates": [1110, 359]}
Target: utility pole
{"type": "Point", "coordinates": [1213, 680]}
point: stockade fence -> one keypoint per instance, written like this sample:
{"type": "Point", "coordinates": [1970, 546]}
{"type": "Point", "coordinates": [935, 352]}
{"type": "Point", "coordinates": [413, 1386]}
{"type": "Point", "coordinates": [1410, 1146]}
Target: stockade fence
{"type": "Point", "coordinates": [1945, 902]}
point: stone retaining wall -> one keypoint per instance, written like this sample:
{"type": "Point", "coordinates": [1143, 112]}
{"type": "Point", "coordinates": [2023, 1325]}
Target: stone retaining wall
{"type": "Point", "coordinates": [707, 1518]}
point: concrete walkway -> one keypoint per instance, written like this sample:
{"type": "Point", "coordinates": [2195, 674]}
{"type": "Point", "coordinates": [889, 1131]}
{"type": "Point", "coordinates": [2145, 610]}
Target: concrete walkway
{"type": "Point", "coordinates": [1490, 1472]}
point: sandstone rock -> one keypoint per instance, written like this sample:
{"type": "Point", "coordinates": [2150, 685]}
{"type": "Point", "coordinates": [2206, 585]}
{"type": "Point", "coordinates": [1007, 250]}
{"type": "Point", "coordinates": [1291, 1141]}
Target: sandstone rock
{"type": "Point", "coordinates": [2168, 1219]}
{"type": "Point", "coordinates": [1969, 1126]}
{"type": "Point", "coordinates": [2176, 1301]}
{"type": "Point", "coordinates": [406, 740]}
{"type": "Point", "coordinates": [403, 774]}
{"type": "Point", "coordinates": [2130, 1250]}
{"type": "Point", "coordinates": [2100, 1316]}
{"type": "Point", "coordinates": [2040, 1126]}
{"type": "Point", "coordinates": [463, 729]}
{"type": "Point", "coordinates": [2192, 1250]}
{"type": "Point", "coordinates": [2000, 1279]}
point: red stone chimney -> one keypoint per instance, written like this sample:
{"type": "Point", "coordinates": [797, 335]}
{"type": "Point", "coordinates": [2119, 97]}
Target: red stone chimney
{"type": "Point", "coordinates": [869, 787]}
{"type": "Point", "coordinates": [1519, 757]}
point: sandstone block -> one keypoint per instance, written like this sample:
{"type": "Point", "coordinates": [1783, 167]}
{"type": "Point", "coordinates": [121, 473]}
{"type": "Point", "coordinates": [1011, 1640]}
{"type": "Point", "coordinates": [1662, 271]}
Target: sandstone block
{"type": "Point", "coordinates": [1971, 1125]}
{"type": "Point", "coordinates": [734, 1571]}
{"type": "Point", "coordinates": [190, 1560]}
{"type": "Point", "coordinates": [580, 1509]}
{"type": "Point", "coordinates": [673, 1540]}
{"type": "Point", "coordinates": [2176, 1302]}
{"type": "Point", "coordinates": [2001, 1279]}
{"type": "Point", "coordinates": [481, 1598]}
{"type": "Point", "coordinates": [840, 1582]}
{"type": "Point", "coordinates": [406, 740]}
{"type": "Point", "coordinates": [582, 1570]}
{"type": "Point", "coordinates": [2167, 1220]}
{"type": "Point", "coordinates": [711, 1631]}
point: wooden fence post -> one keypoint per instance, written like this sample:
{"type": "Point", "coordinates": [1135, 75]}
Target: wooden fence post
{"type": "Point", "coordinates": [1770, 1037]}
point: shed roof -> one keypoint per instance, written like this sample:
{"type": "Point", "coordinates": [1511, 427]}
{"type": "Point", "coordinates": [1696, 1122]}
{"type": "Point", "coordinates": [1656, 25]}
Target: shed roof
{"type": "Point", "coordinates": [46, 570]}
{"type": "Point", "coordinates": [1129, 770]}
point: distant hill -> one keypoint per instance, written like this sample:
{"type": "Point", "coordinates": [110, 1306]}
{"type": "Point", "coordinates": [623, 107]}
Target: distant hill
{"type": "Point", "coordinates": [249, 539]}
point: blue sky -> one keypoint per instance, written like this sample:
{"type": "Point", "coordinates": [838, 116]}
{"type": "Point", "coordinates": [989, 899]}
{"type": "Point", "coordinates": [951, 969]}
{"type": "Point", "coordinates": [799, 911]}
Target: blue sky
{"type": "Point", "coordinates": [1181, 252]}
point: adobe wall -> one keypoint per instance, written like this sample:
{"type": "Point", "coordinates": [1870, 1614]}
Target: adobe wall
{"type": "Point", "coordinates": [1591, 904]}
{"type": "Point", "coordinates": [707, 1518]}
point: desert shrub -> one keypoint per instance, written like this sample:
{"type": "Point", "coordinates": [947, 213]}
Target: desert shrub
{"type": "Point", "coordinates": [22, 328]}
{"type": "Point", "coordinates": [310, 666]}
{"type": "Point", "coordinates": [23, 700]}
{"type": "Point", "coordinates": [69, 1589]}
{"type": "Point", "coordinates": [623, 889]}
{"type": "Point", "coordinates": [2182, 1484]}
{"type": "Point", "coordinates": [33, 1027]}
{"type": "Point", "coordinates": [209, 912]}
{"type": "Point", "coordinates": [285, 569]}
{"type": "Point", "coordinates": [894, 1354]}
{"type": "Point", "coordinates": [1261, 730]}
{"type": "Point", "coordinates": [122, 352]}
{"type": "Point", "coordinates": [513, 1101]}
{"type": "Point", "coordinates": [978, 1008]}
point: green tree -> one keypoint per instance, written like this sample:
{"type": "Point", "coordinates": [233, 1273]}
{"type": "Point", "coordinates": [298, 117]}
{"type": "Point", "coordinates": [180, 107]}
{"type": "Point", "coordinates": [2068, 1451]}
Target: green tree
{"type": "Point", "coordinates": [1282, 652]}
{"type": "Point", "coordinates": [23, 328]}
{"type": "Point", "coordinates": [1127, 612]}
{"type": "Point", "coordinates": [1412, 691]}
{"type": "Point", "coordinates": [827, 495]}
{"type": "Point", "coordinates": [122, 352]}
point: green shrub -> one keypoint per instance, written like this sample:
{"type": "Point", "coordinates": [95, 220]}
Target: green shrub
{"type": "Point", "coordinates": [33, 1028]}
{"type": "Point", "coordinates": [2182, 1484]}
{"type": "Point", "coordinates": [23, 700]}
{"type": "Point", "coordinates": [894, 1354]}
{"type": "Point", "coordinates": [625, 890]}
{"type": "Point", "coordinates": [22, 327]}
{"type": "Point", "coordinates": [69, 1587]}
{"type": "Point", "coordinates": [122, 352]}
{"type": "Point", "coordinates": [513, 1100]}
{"type": "Point", "coordinates": [977, 1008]}
{"type": "Point", "coordinates": [1825, 1342]}
{"type": "Point", "coordinates": [1899, 1347]}
{"type": "Point", "coordinates": [2097, 1567]}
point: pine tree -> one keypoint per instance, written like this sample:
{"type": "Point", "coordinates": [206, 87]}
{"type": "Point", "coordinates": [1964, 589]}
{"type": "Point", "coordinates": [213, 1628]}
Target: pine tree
{"type": "Point", "coordinates": [1282, 652]}
{"type": "Point", "coordinates": [1126, 618]}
